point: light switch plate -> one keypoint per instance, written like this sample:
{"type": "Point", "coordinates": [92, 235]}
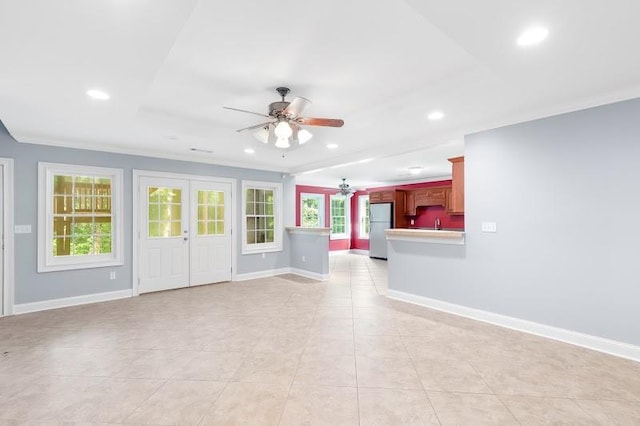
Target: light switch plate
{"type": "Point", "coordinates": [22, 229]}
{"type": "Point", "coordinates": [489, 227]}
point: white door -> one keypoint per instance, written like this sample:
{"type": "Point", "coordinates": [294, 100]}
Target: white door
{"type": "Point", "coordinates": [163, 234]}
{"type": "Point", "coordinates": [185, 233]}
{"type": "Point", "coordinates": [210, 244]}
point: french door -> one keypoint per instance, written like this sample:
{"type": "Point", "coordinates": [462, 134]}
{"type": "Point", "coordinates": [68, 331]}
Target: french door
{"type": "Point", "coordinates": [184, 233]}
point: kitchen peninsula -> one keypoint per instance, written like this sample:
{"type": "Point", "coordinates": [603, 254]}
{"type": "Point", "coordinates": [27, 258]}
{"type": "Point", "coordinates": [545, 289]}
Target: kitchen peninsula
{"type": "Point", "coordinates": [418, 258]}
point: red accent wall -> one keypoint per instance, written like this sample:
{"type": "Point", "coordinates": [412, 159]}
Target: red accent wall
{"type": "Point", "coordinates": [425, 217]}
{"type": "Point", "coordinates": [327, 192]}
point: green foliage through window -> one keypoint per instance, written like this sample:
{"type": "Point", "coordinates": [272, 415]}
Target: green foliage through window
{"type": "Point", "coordinates": [82, 215]}
{"type": "Point", "coordinates": [338, 215]}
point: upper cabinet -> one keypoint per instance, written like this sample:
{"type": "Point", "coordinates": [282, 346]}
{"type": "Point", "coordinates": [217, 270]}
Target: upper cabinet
{"type": "Point", "coordinates": [382, 197]}
{"type": "Point", "coordinates": [455, 202]}
{"type": "Point", "coordinates": [425, 197]}
{"type": "Point", "coordinates": [398, 198]}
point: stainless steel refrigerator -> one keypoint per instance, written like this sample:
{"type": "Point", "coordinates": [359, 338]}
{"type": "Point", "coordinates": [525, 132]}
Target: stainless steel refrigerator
{"type": "Point", "coordinates": [380, 218]}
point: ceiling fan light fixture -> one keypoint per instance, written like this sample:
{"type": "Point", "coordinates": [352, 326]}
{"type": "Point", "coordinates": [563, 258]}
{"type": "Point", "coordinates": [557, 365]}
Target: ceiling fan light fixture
{"type": "Point", "coordinates": [283, 130]}
{"type": "Point", "coordinates": [304, 136]}
{"type": "Point", "coordinates": [262, 134]}
{"type": "Point", "coordinates": [282, 143]}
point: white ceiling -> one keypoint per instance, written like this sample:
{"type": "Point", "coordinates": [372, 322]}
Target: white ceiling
{"type": "Point", "coordinates": [382, 66]}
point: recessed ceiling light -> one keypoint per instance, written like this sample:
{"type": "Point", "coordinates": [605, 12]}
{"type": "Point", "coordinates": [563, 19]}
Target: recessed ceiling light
{"type": "Point", "coordinates": [415, 170]}
{"type": "Point", "coordinates": [98, 94]}
{"type": "Point", "coordinates": [332, 145]}
{"type": "Point", "coordinates": [249, 151]}
{"type": "Point", "coordinates": [435, 115]}
{"type": "Point", "coordinates": [533, 35]}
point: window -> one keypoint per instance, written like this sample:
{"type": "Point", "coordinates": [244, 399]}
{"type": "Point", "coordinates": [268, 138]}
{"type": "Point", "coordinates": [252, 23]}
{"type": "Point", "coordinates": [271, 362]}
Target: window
{"type": "Point", "coordinates": [79, 217]}
{"type": "Point", "coordinates": [262, 203]}
{"type": "Point", "coordinates": [311, 210]}
{"type": "Point", "coordinates": [363, 217]}
{"type": "Point", "coordinates": [339, 217]}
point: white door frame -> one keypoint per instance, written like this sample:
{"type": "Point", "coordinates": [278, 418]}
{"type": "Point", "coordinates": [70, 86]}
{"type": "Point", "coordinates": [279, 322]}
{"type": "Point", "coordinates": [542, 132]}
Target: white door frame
{"type": "Point", "coordinates": [6, 165]}
{"type": "Point", "coordinates": [137, 174]}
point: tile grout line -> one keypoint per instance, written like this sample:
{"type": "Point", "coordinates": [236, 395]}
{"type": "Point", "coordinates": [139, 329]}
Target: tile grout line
{"type": "Point", "coordinates": [355, 357]}
{"type": "Point", "coordinates": [295, 373]}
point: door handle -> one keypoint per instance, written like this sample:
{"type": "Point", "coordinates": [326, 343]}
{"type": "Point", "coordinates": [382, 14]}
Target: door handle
{"type": "Point", "coordinates": [186, 238]}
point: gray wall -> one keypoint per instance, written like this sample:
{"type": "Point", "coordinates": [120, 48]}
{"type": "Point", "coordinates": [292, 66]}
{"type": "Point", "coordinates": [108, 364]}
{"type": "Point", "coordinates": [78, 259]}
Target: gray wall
{"type": "Point", "coordinates": [565, 193]}
{"type": "Point", "coordinates": [314, 249]}
{"type": "Point", "coordinates": [31, 286]}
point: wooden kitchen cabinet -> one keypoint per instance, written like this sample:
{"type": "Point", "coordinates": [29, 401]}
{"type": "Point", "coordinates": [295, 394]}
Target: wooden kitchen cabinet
{"type": "Point", "coordinates": [410, 204]}
{"type": "Point", "coordinates": [382, 197]}
{"type": "Point", "coordinates": [398, 198]}
{"type": "Point", "coordinates": [425, 197]}
{"type": "Point", "coordinates": [455, 201]}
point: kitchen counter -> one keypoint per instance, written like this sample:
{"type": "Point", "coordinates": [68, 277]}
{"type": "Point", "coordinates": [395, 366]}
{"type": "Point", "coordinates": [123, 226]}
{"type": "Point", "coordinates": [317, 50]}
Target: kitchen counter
{"type": "Point", "coordinates": [434, 236]}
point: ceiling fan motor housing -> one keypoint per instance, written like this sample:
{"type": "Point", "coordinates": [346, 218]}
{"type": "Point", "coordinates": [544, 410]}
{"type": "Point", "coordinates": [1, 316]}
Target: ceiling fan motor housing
{"type": "Point", "coordinates": [276, 108]}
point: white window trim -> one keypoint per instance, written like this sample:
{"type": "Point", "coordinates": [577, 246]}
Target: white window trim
{"type": "Point", "coordinates": [361, 200]}
{"type": "Point", "coordinates": [278, 228]}
{"type": "Point", "coordinates": [8, 257]}
{"type": "Point", "coordinates": [320, 197]}
{"type": "Point", "coordinates": [46, 261]}
{"type": "Point", "coordinates": [347, 218]}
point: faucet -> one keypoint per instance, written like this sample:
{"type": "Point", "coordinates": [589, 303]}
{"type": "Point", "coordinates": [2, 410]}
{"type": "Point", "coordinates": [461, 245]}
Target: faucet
{"type": "Point", "coordinates": [437, 224]}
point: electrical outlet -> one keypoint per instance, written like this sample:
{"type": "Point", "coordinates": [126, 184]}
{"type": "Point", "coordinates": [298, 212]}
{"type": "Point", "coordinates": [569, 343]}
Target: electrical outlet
{"type": "Point", "coordinates": [304, 259]}
{"type": "Point", "coordinates": [112, 275]}
{"type": "Point", "coordinates": [22, 229]}
{"type": "Point", "coordinates": [489, 227]}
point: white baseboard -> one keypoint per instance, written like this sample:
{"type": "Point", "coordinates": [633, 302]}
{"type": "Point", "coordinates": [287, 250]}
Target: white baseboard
{"type": "Point", "coordinates": [309, 274]}
{"type": "Point", "coordinates": [24, 308]}
{"type": "Point", "coordinates": [273, 272]}
{"type": "Point", "coordinates": [334, 252]}
{"type": "Point", "coordinates": [359, 251]}
{"type": "Point", "coordinates": [612, 347]}
{"type": "Point", "coordinates": [261, 274]}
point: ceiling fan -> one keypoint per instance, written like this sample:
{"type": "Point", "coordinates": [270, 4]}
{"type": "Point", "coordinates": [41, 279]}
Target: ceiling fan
{"type": "Point", "coordinates": [285, 122]}
{"type": "Point", "coordinates": [344, 188]}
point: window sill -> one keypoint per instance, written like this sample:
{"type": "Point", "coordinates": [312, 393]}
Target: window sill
{"type": "Point", "coordinates": [75, 266]}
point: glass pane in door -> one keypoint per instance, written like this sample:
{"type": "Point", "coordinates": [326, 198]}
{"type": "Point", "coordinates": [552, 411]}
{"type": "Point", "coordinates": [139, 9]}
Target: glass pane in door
{"type": "Point", "coordinates": [164, 217]}
{"type": "Point", "coordinates": [210, 212]}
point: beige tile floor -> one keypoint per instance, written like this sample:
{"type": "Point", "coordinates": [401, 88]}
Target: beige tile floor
{"type": "Point", "coordinates": [291, 351]}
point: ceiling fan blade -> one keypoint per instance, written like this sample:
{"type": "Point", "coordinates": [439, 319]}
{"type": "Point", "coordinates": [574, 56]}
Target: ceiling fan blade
{"type": "Point", "coordinates": [248, 112]}
{"type": "Point", "coordinates": [296, 106]}
{"type": "Point", "coordinates": [311, 121]}
{"type": "Point", "coordinates": [257, 126]}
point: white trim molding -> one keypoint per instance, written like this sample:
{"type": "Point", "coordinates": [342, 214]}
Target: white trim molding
{"type": "Point", "coordinates": [47, 261]}
{"type": "Point", "coordinates": [611, 347]}
{"type": "Point", "coordinates": [425, 236]}
{"type": "Point", "coordinates": [8, 257]}
{"type": "Point", "coordinates": [308, 231]}
{"type": "Point", "coordinates": [24, 308]}
{"type": "Point", "coordinates": [273, 272]}
{"type": "Point", "coordinates": [309, 274]}
{"type": "Point", "coordinates": [278, 228]}
{"type": "Point", "coordinates": [261, 274]}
